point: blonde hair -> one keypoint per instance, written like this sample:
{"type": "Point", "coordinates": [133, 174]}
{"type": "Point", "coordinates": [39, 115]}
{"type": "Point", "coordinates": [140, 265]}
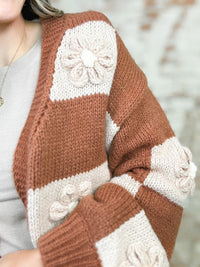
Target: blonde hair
{"type": "Point", "coordinates": [43, 9]}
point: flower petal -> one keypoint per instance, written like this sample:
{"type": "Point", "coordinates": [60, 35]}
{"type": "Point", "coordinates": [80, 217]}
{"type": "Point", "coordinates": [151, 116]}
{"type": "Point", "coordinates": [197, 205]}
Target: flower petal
{"type": "Point", "coordinates": [75, 44]}
{"type": "Point", "coordinates": [137, 254]}
{"type": "Point", "coordinates": [188, 153]}
{"type": "Point", "coordinates": [84, 42]}
{"type": "Point", "coordinates": [65, 199]}
{"type": "Point", "coordinates": [68, 194]}
{"type": "Point", "coordinates": [70, 60]}
{"type": "Point", "coordinates": [97, 45]}
{"type": "Point", "coordinates": [156, 256]}
{"type": "Point", "coordinates": [57, 211]}
{"type": "Point", "coordinates": [69, 189]}
{"type": "Point", "coordinates": [94, 76]}
{"type": "Point", "coordinates": [97, 74]}
{"type": "Point", "coordinates": [78, 75]}
{"type": "Point", "coordinates": [106, 59]}
{"type": "Point", "coordinates": [186, 185]}
{"type": "Point", "coordinates": [85, 188]}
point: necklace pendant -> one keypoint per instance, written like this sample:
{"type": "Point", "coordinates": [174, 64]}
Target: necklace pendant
{"type": "Point", "coordinates": [1, 101]}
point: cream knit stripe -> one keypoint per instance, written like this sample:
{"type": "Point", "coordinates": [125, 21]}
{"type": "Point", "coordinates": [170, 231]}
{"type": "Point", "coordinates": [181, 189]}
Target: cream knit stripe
{"type": "Point", "coordinates": [41, 200]}
{"type": "Point", "coordinates": [114, 248]}
{"type": "Point", "coordinates": [74, 46]}
{"type": "Point", "coordinates": [127, 182]}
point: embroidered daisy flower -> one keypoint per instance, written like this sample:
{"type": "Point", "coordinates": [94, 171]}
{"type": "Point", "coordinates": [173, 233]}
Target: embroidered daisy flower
{"type": "Point", "coordinates": [140, 256]}
{"type": "Point", "coordinates": [186, 172]}
{"type": "Point", "coordinates": [69, 199]}
{"type": "Point", "coordinates": [88, 59]}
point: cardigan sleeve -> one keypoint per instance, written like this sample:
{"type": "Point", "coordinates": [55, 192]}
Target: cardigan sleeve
{"type": "Point", "coordinates": [133, 219]}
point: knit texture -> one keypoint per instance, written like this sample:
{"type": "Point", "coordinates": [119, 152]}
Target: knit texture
{"type": "Point", "coordinates": [98, 167]}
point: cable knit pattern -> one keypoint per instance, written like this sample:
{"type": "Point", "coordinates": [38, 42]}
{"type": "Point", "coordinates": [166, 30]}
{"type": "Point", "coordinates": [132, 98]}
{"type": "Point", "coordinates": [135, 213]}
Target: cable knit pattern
{"type": "Point", "coordinates": [102, 176]}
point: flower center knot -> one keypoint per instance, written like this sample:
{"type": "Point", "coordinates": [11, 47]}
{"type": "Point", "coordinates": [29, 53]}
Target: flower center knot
{"type": "Point", "coordinates": [88, 58]}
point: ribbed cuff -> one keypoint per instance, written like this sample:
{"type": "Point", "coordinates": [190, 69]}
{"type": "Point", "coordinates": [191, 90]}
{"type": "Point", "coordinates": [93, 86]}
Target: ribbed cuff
{"type": "Point", "coordinates": [110, 207]}
{"type": "Point", "coordinates": [72, 243]}
{"type": "Point", "coordinates": [69, 245]}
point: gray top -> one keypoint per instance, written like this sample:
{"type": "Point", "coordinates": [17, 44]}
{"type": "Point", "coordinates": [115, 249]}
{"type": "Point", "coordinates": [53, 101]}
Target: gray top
{"type": "Point", "coordinates": [18, 92]}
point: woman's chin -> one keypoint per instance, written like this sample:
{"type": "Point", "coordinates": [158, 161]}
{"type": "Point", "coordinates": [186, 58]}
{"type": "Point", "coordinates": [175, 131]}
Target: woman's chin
{"type": "Point", "coordinates": [10, 10]}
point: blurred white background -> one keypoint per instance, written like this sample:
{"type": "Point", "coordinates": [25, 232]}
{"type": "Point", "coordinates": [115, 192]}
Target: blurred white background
{"type": "Point", "coordinates": [163, 36]}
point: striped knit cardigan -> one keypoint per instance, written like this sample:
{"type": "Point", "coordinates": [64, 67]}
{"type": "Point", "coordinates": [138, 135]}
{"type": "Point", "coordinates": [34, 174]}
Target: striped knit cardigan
{"type": "Point", "coordinates": [98, 167]}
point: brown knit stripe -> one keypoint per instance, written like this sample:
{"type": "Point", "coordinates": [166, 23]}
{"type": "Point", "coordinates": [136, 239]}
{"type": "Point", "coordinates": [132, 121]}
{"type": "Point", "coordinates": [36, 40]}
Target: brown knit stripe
{"type": "Point", "coordinates": [70, 139]}
{"type": "Point", "coordinates": [69, 244]}
{"type": "Point", "coordinates": [128, 85]}
{"type": "Point", "coordinates": [164, 216]}
{"type": "Point", "coordinates": [75, 19]}
{"type": "Point", "coordinates": [111, 206]}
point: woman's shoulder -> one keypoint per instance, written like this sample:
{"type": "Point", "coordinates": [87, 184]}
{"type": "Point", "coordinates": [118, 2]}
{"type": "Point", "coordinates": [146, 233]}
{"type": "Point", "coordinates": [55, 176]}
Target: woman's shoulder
{"type": "Point", "coordinates": [86, 49]}
{"type": "Point", "coordinates": [90, 19]}
{"type": "Point", "coordinates": [88, 15]}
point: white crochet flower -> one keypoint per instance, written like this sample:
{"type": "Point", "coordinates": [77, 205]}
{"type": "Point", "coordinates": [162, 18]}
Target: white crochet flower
{"type": "Point", "coordinates": [69, 199]}
{"type": "Point", "coordinates": [88, 59]}
{"type": "Point", "coordinates": [185, 172]}
{"type": "Point", "coordinates": [140, 256]}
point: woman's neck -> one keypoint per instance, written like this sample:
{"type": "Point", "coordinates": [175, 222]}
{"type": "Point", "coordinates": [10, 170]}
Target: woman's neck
{"type": "Point", "coordinates": [11, 35]}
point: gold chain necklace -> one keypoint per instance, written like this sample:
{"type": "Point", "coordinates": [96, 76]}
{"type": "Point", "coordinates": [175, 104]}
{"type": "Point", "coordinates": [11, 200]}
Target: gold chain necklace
{"type": "Point", "coordinates": [1, 98]}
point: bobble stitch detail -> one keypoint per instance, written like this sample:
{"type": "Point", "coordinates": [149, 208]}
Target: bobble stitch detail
{"type": "Point", "coordinates": [69, 199]}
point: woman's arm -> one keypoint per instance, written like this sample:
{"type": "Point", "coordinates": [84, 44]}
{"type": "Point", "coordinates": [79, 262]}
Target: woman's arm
{"type": "Point", "coordinates": [135, 217]}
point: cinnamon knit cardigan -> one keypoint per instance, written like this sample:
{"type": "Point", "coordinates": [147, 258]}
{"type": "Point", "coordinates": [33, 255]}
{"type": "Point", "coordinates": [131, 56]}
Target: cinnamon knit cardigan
{"type": "Point", "coordinates": [100, 171]}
